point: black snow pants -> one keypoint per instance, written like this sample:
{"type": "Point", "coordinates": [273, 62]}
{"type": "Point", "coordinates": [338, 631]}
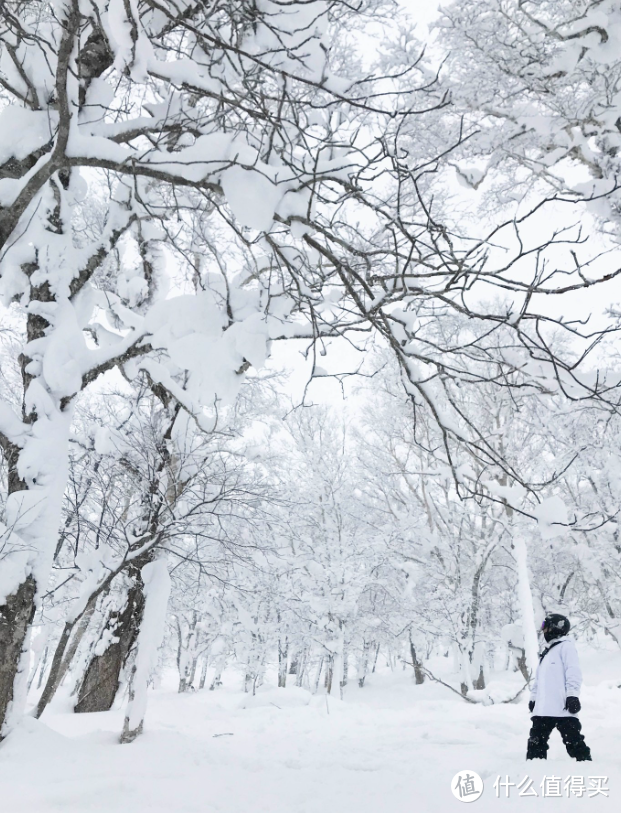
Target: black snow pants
{"type": "Point", "coordinates": [569, 728]}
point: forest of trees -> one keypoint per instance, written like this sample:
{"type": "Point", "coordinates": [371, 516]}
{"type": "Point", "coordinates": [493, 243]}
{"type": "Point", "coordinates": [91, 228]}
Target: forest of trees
{"type": "Point", "coordinates": [199, 200]}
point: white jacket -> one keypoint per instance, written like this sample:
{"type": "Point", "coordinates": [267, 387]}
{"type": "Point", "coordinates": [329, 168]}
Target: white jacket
{"type": "Point", "coordinates": [558, 677]}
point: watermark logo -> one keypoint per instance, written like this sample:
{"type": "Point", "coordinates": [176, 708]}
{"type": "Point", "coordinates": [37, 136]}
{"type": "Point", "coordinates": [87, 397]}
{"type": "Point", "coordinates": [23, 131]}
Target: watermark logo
{"type": "Point", "coordinates": [467, 786]}
{"type": "Point", "coordinates": [554, 786]}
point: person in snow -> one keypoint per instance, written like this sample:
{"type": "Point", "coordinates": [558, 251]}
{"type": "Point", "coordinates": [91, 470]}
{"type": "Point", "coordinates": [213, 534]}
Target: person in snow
{"type": "Point", "coordinates": [554, 699]}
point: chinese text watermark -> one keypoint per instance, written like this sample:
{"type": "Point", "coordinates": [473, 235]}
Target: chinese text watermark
{"type": "Point", "coordinates": [467, 786]}
{"type": "Point", "coordinates": [554, 786]}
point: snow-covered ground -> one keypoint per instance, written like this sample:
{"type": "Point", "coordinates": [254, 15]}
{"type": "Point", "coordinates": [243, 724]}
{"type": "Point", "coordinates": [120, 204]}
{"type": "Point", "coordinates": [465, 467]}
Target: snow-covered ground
{"type": "Point", "coordinates": [391, 746]}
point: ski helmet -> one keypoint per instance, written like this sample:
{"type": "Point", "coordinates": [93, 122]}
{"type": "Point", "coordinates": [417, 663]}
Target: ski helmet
{"type": "Point", "coordinates": [555, 626]}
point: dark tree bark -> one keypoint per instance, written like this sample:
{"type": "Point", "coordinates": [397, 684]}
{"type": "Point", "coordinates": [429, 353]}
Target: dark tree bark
{"type": "Point", "coordinates": [521, 662]}
{"type": "Point", "coordinates": [419, 675]}
{"type": "Point", "coordinates": [15, 618]}
{"type": "Point", "coordinates": [102, 676]}
{"type": "Point", "coordinates": [17, 614]}
{"type": "Point", "coordinates": [377, 652]}
{"type": "Point", "coordinates": [329, 675]}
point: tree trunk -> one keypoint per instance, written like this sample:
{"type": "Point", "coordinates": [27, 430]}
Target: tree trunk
{"type": "Point", "coordinates": [477, 659]}
{"type": "Point", "coordinates": [219, 661]}
{"type": "Point", "coordinates": [282, 664]}
{"type": "Point", "coordinates": [204, 666]}
{"type": "Point", "coordinates": [479, 682]}
{"type": "Point", "coordinates": [531, 647]}
{"type": "Point", "coordinates": [186, 654]}
{"type": "Point", "coordinates": [465, 684]}
{"type": "Point", "coordinates": [521, 663]}
{"type": "Point", "coordinates": [363, 663]}
{"type": "Point", "coordinates": [155, 580]}
{"type": "Point", "coordinates": [40, 656]}
{"type": "Point", "coordinates": [35, 536]}
{"type": "Point", "coordinates": [329, 676]}
{"type": "Point", "coordinates": [53, 679]}
{"type": "Point", "coordinates": [76, 640]}
{"type": "Point", "coordinates": [377, 652]}
{"type": "Point", "coordinates": [318, 676]}
{"type": "Point", "coordinates": [16, 616]}
{"type": "Point", "coordinates": [192, 672]}
{"type": "Point", "coordinates": [301, 672]}
{"type": "Point", "coordinates": [61, 661]}
{"type": "Point", "coordinates": [43, 666]}
{"type": "Point", "coordinates": [102, 676]}
{"type": "Point", "coordinates": [335, 675]}
{"type": "Point", "coordinates": [419, 675]}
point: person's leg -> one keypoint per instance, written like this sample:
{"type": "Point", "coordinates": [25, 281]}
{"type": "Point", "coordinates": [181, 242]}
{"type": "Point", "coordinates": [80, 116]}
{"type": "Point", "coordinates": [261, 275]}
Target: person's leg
{"type": "Point", "coordinates": [577, 748]}
{"type": "Point", "coordinates": [539, 736]}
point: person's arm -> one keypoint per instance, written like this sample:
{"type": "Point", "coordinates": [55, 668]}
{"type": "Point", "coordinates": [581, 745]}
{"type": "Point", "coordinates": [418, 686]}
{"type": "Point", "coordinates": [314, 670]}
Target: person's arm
{"type": "Point", "coordinates": [573, 673]}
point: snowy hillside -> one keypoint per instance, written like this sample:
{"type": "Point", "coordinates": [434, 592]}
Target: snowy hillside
{"type": "Point", "coordinates": [390, 746]}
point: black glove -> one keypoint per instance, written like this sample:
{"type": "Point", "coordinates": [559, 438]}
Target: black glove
{"type": "Point", "coordinates": [572, 704]}
{"type": "Point", "coordinates": [531, 705]}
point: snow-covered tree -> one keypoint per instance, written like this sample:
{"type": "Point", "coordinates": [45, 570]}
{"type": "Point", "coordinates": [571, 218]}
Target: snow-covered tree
{"type": "Point", "coordinates": [182, 184]}
{"type": "Point", "coordinates": [537, 83]}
